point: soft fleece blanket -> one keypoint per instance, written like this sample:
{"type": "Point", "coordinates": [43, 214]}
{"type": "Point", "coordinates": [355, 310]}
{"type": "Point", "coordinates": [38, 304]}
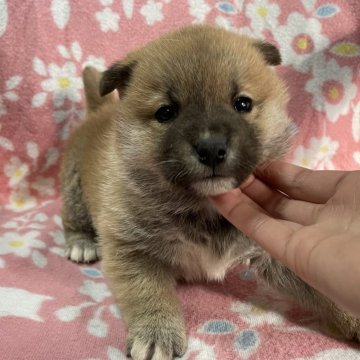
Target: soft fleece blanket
{"type": "Point", "coordinates": [53, 309]}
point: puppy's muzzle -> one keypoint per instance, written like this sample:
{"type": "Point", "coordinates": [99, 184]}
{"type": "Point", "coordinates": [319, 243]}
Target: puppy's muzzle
{"type": "Point", "coordinates": [211, 151]}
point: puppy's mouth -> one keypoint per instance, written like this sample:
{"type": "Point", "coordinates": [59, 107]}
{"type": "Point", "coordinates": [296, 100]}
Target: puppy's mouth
{"type": "Point", "coordinates": [214, 176]}
{"type": "Point", "coordinates": [214, 185]}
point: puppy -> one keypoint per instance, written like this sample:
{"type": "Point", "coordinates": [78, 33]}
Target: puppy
{"type": "Point", "coordinates": [196, 112]}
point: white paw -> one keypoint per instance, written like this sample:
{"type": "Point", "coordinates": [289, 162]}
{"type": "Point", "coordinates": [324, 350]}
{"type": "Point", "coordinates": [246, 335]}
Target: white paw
{"type": "Point", "coordinates": [141, 351]}
{"type": "Point", "coordinates": [157, 343]}
{"type": "Point", "coordinates": [83, 252]}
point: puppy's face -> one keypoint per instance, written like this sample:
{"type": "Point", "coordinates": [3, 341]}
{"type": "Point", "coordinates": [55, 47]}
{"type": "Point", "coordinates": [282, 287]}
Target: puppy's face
{"type": "Point", "coordinates": [200, 107]}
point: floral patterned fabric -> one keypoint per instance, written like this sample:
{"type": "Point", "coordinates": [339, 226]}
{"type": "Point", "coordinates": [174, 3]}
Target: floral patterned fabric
{"type": "Point", "coordinates": [52, 308]}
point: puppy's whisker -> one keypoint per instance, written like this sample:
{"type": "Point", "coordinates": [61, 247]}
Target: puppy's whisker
{"type": "Point", "coordinates": [181, 173]}
{"type": "Point", "coordinates": [169, 162]}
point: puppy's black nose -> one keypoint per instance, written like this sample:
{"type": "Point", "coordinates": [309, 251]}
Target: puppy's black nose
{"type": "Point", "coordinates": [211, 151]}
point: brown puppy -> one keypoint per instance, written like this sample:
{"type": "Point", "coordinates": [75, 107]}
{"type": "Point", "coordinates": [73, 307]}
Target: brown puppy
{"type": "Point", "coordinates": [198, 110]}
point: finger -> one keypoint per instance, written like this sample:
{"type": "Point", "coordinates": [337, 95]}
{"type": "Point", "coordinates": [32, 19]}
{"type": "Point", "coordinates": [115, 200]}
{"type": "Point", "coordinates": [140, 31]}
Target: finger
{"type": "Point", "coordinates": [271, 234]}
{"type": "Point", "coordinates": [279, 205]}
{"type": "Point", "coordinates": [301, 183]}
{"type": "Point", "coordinates": [237, 193]}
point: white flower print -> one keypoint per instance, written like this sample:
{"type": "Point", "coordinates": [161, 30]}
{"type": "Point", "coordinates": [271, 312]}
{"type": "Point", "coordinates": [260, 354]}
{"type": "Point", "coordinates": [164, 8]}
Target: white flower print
{"type": "Point", "coordinates": [128, 7]}
{"type": "Point", "coordinates": [227, 24]}
{"type": "Point", "coordinates": [239, 4]}
{"type": "Point", "coordinates": [9, 94]}
{"type": "Point", "coordinates": [52, 156]}
{"type": "Point", "coordinates": [20, 245]}
{"type": "Point", "coordinates": [263, 15]}
{"type": "Point", "coordinates": [309, 5]}
{"type": "Point", "coordinates": [319, 155]}
{"type": "Point", "coordinates": [115, 354]}
{"type": "Point", "coordinates": [70, 118]}
{"type": "Point", "coordinates": [259, 312]}
{"type": "Point", "coordinates": [332, 89]}
{"type": "Point", "coordinates": [28, 244]}
{"type": "Point", "coordinates": [58, 239]}
{"type": "Point", "coordinates": [6, 143]}
{"type": "Point", "coordinates": [32, 150]}
{"type": "Point", "coordinates": [33, 219]}
{"type": "Point", "coordinates": [224, 22]}
{"type": "Point", "coordinates": [4, 17]}
{"type": "Point", "coordinates": [20, 199]}
{"type": "Point", "coordinates": [44, 186]}
{"type": "Point", "coordinates": [108, 19]}
{"type": "Point", "coordinates": [16, 171]}
{"type": "Point", "coordinates": [299, 40]}
{"type": "Point", "coordinates": [304, 157]}
{"type": "Point", "coordinates": [331, 354]}
{"type": "Point", "coordinates": [61, 10]}
{"type": "Point", "coordinates": [97, 62]}
{"type": "Point", "coordinates": [247, 31]}
{"type": "Point", "coordinates": [97, 291]}
{"type": "Point", "coordinates": [199, 9]}
{"type": "Point", "coordinates": [63, 82]}
{"type": "Point", "coordinates": [199, 350]}
{"type": "Point", "coordinates": [152, 12]}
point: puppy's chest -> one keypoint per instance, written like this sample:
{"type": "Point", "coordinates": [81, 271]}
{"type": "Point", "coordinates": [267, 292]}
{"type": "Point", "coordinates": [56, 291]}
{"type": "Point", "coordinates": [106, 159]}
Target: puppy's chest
{"type": "Point", "coordinates": [207, 251]}
{"type": "Point", "coordinates": [196, 261]}
{"type": "Point", "coordinates": [199, 245]}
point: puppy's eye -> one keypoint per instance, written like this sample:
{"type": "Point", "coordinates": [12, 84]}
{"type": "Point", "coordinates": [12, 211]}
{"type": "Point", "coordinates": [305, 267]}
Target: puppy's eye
{"type": "Point", "coordinates": [166, 113]}
{"type": "Point", "coordinates": [243, 104]}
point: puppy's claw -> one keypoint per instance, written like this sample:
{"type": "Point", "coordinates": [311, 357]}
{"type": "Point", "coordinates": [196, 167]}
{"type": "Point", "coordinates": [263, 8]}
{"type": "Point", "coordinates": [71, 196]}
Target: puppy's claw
{"type": "Point", "coordinates": [152, 351]}
{"type": "Point", "coordinates": [165, 345]}
{"type": "Point", "coordinates": [83, 252]}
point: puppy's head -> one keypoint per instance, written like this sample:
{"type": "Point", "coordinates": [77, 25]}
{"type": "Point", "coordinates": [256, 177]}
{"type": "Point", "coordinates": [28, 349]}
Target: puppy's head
{"type": "Point", "coordinates": [200, 107]}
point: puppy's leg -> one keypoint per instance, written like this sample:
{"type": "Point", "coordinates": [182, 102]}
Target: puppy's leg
{"type": "Point", "coordinates": [280, 277]}
{"type": "Point", "coordinates": [145, 291]}
{"type": "Point", "coordinates": [81, 244]}
{"type": "Point", "coordinates": [80, 237]}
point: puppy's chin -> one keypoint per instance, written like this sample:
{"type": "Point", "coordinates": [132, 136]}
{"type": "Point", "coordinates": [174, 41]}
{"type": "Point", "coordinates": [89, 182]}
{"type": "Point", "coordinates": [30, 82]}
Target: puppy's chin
{"type": "Point", "coordinates": [214, 186]}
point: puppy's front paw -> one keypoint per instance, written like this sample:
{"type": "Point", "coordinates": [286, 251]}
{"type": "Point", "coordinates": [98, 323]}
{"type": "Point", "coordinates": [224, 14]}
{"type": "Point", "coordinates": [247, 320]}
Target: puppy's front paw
{"type": "Point", "coordinates": [81, 247]}
{"type": "Point", "coordinates": [156, 342]}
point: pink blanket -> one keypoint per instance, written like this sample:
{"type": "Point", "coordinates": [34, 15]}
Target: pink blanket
{"type": "Point", "coordinates": [51, 308]}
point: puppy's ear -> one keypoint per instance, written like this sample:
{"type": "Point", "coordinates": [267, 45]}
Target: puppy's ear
{"type": "Point", "coordinates": [91, 78]}
{"type": "Point", "coordinates": [269, 52]}
{"type": "Point", "coordinates": [116, 77]}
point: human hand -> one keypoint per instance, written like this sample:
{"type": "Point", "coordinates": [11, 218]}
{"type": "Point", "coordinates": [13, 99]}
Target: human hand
{"type": "Point", "coordinates": [311, 224]}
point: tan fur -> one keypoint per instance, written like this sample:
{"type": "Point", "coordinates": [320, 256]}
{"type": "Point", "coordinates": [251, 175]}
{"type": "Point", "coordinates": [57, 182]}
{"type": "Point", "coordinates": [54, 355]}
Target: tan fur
{"type": "Point", "coordinates": [154, 225]}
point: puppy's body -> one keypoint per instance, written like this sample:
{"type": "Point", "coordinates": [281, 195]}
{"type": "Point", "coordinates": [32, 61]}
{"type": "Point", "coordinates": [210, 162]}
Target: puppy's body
{"type": "Point", "coordinates": [138, 172]}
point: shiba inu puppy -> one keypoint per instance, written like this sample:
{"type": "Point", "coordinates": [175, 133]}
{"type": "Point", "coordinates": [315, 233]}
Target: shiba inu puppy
{"type": "Point", "coordinates": [195, 113]}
